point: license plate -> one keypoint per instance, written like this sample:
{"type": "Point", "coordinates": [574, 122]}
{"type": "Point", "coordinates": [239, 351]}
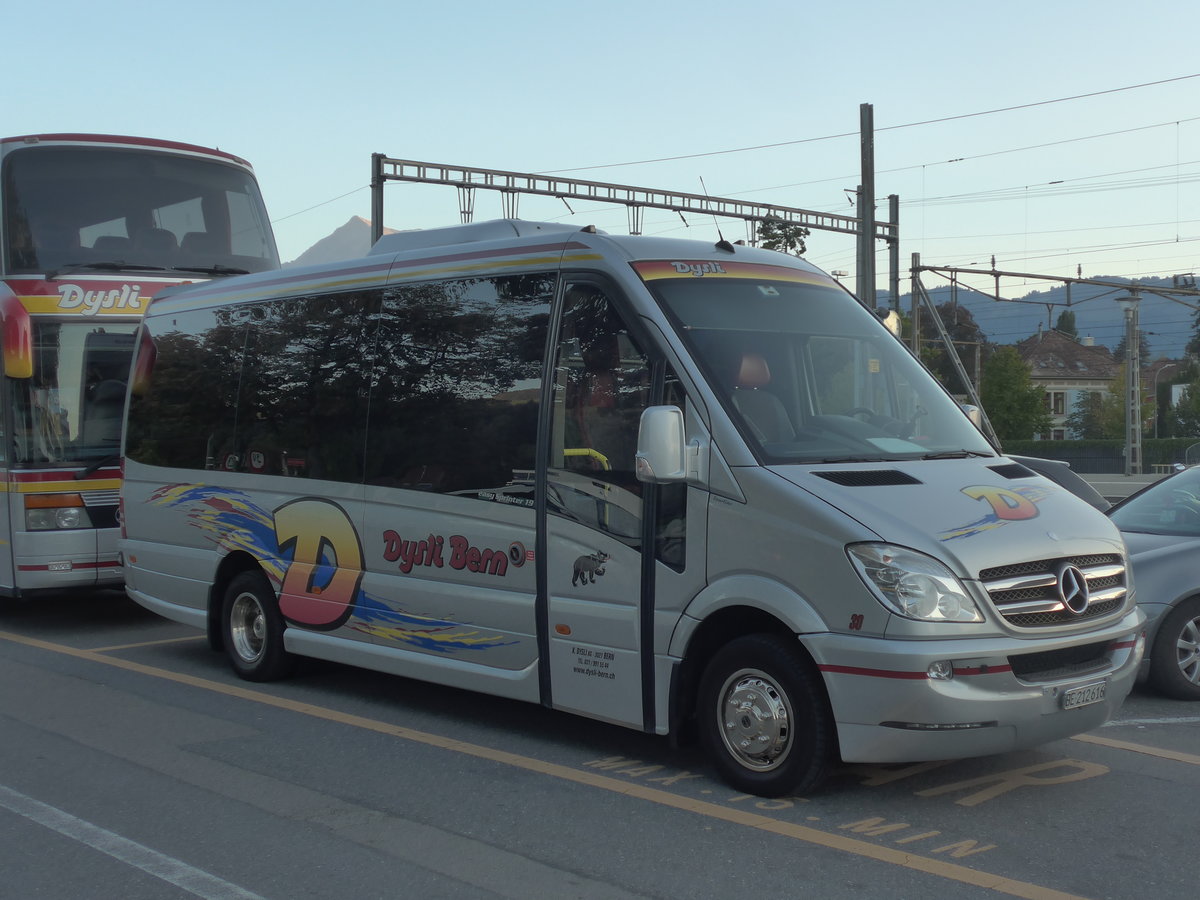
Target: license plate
{"type": "Point", "coordinates": [1083, 696]}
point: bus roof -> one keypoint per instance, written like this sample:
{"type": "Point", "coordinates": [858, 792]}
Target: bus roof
{"type": "Point", "coordinates": [76, 138]}
{"type": "Point", "coordinates": [460, 250]}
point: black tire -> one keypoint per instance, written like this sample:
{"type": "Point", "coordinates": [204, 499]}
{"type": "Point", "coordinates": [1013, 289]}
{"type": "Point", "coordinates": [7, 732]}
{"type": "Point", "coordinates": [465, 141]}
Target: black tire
{"type": "Point", "coordinates": [764, 717]}
{"type": "Point", "coordinates": [1175, 656]}
{"type": "Point", "coordinates": [252, 628]}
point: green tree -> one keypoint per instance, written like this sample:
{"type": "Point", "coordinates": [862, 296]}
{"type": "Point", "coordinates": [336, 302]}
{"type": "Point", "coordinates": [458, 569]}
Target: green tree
{"type": "Point", "coordinates": [970, 343]}
{"type": "Point", "coordinates": [1193, 346]}
{"type": "Point", "coordinates": [786, 237]}
{"type": "Point", "coordinates": [1097, 415]}
{"type": "Point", "coordinates": [1101, 414]}
{"type": "Point", "coordinates": [1183, 374]}
{"type": "Point", "coordinates": [1183, 419]}
{"type": "Point", "coordinates": [1143, 348]}
{"type": "Point", "coordinates": [1065, 324]}
{"type": "Point", "coordinates": [1015, 406]}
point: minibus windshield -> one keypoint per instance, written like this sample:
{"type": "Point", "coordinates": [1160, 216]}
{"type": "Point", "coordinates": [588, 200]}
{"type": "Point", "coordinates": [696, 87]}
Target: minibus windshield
{"type": "Point", "coordinates": [806, 372]}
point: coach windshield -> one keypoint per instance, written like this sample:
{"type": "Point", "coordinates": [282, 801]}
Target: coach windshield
{"type": "Point", "coordinates": [807, 376]}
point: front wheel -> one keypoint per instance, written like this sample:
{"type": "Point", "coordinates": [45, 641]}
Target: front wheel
{"type": "Point", "coordinates": [1175, 656]}
{"type": "Point", "coordinates": [253, 629]}
{"type": "Point", "coordinates": [764, 717]}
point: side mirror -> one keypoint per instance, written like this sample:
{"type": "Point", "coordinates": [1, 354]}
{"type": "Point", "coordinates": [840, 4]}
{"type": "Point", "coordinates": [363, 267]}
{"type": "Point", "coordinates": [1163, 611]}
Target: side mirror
{"type": "Point", "coordinates": [973, 413]}
{"type": "Point", "coordinates": [16, 335]}
{"type": "Point", "coordinates": [891, 320]}
{"type": "Point", "coordinates": [661, 446]}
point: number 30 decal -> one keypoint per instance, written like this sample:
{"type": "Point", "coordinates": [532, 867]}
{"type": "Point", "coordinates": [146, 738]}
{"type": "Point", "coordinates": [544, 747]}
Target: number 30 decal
{"type": "Point", "coordinates": [321, 583]}
{"type": "Point", "coordinates": [856, 622]}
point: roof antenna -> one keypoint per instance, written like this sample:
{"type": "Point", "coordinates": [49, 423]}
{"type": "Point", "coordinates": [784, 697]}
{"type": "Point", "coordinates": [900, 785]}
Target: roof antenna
{"type": "Point", "coordinates": [721, 243]}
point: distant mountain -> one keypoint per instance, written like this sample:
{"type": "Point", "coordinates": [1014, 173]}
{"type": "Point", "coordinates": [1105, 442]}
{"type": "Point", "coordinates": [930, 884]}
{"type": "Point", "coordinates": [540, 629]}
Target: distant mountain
{"type": "Point", "coordinates": [1166, 324]}
{"type": "Point", "coordinates": [351, 241]}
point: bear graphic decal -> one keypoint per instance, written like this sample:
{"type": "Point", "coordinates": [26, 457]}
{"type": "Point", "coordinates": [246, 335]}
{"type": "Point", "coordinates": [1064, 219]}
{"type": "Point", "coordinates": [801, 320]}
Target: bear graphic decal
{"type": "Point", "coordinates": [588, 567]}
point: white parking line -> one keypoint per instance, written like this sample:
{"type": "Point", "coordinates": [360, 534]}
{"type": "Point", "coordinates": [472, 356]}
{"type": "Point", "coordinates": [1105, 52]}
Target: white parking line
{"type": "Point", "coordinates": [167, 868]}
{"type": "Point", "coordinates": [1195, 720]}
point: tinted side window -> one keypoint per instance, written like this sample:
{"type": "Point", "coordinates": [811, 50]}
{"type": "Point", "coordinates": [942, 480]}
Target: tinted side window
{"type": "Point", "coordinates": [303, 405]}
{"type": "Point", "coordinates": [186, 414]}
{"type": "Point", "coordinates": [456, 386]}
{"type": "Point", "coordinates": [601, 385]}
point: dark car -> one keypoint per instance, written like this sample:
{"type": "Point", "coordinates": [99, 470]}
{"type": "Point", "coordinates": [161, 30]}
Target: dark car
{"type": "Point", "coordinates": [1161, 527]}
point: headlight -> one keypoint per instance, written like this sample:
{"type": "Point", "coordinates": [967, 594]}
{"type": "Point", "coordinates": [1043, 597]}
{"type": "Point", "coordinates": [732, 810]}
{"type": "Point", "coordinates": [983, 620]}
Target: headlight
{"type": "Point", "coordinates": [912, 584]}
{"type": "Point", "coordinates": [52, 512]}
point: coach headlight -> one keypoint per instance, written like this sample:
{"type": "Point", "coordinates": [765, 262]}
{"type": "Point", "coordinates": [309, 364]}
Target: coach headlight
{"type": "Point", "coordinates": [55, 512]}
{"type": "Point", "coordinates": [912, 584]}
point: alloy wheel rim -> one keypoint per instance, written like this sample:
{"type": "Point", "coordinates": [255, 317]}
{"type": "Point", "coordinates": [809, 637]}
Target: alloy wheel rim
{"type": "Point", "coordinates": [248, 627]}
{"type": "Point", "coordinates": [754, 717]}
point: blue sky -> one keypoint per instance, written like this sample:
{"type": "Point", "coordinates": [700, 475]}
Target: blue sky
{"type": "Point", "coordinates": [1107, 183]}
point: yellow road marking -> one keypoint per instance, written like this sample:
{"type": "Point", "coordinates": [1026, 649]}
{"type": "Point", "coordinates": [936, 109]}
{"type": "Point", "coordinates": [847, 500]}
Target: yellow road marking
{"type": "Point", "coordinates": [907, 860]}
{"type": "Point", "coordinates": [1190, 758]}
{"type": "Point", "coordinates": [179, 640]}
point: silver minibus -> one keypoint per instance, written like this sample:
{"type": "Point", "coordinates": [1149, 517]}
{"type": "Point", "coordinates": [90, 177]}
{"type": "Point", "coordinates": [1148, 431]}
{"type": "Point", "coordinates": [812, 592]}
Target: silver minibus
{"type": "Point", "coordinates": [684, 487]}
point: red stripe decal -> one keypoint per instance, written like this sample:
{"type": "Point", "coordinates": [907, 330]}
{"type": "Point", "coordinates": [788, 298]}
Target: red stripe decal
{"type": "Point", "coordinates": [75, 567]}
{"type": "Point", "coordinates": [873, 673]}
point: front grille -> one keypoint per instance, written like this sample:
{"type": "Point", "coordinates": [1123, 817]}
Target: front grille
{"type": "Point", "coordinates": [102, 508]}
{"type": "Point", "coordinates": [1041, 620]}
{"type": "Point", "coordinates": [1065, 663]}
{"type": "Point", "coordinates": [1028, 596]}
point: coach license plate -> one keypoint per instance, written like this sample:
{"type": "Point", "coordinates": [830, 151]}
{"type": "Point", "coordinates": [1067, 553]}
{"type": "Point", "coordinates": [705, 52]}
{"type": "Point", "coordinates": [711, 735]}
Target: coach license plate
{"type": "Point", "coordinates": [1084, 696]}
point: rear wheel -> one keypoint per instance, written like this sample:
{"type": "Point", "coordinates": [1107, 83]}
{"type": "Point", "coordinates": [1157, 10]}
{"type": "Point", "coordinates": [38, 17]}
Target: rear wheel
{"type": "Point", "coordinates": [253, 629]}
{"type": "Point", "coordinates": [764, 717]}
{"type": "Point", "coordinates": [1175, 656]}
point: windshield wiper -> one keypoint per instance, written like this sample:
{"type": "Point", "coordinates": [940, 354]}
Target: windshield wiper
{"type": "Point", "coordinates": [955, 454]}
{"type": "Point", "coordinates": [212, 270]}
{"type": "Point", "coordinates": [117, 266]}
{"type": "Point", "coordinates": [97, 465]}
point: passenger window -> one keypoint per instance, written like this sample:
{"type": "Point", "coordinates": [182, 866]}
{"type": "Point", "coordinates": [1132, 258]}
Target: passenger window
{"type": "Point", "coordinates": [601, 386]}
{"type": "Point", "coordinates": [187, 415]}
{"type": "Point", "coordinates": [303, 404]}
{"type": "Point", "coordinates": [457, 387]}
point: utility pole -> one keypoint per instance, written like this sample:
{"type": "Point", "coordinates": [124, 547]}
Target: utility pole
{"type": "Point", "coordinates": [894, 252]}
{"type": "Point", "coordinates": [1133, 385]}
{"type": "Point", "coordinates": [865, 284]}
{"type": "Point", "coordinates": [916, 305]}
{"type": "Point", "coordinates": [376, 197]}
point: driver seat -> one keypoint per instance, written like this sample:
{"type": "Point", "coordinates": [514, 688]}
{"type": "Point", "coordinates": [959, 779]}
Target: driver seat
{"type": "Point", "coordinates": [762, 410]}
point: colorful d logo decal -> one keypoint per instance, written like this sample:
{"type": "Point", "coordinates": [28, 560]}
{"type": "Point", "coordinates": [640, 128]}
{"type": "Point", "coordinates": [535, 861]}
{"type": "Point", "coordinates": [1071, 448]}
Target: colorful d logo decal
{"type": "Point", "coordinates": [1007, 505]}
{"type": "Point", "coordinates": [321, 583]}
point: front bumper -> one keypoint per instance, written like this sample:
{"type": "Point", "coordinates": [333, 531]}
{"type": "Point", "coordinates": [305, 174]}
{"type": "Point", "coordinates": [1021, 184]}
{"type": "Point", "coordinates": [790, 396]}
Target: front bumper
{"type": "Point", "coordinates": [1004, 695]}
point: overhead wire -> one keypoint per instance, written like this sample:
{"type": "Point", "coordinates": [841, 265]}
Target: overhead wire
{"type": "Point", "coordinates": [845, 134]}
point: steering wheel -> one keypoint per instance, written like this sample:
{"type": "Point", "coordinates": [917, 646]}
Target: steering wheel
{"type": "Point", "coordinates": [886, 424]}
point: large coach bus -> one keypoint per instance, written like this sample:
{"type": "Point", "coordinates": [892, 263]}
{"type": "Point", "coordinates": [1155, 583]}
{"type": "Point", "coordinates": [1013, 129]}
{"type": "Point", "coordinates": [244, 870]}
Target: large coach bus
{"type": "Point", "coordinates": [653, 482]}
{"type": "Point", "coordinates": [92, 227]}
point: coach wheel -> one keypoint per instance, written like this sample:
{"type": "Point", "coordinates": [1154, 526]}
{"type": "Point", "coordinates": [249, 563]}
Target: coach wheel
{"type": "Point", "coordinates": [764, 718]}
{"type": "Point", "coordinates": [253, 629]}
